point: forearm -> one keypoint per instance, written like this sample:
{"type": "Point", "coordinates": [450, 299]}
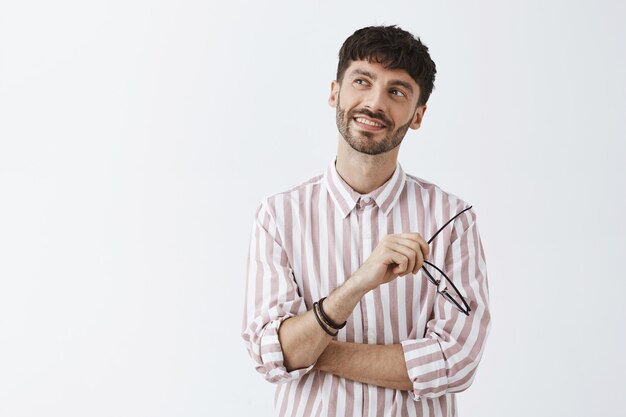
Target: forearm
{"type": "Point", "coordinates": [303, 340]}
{"type": "Point", "coordinates": [381, 365]}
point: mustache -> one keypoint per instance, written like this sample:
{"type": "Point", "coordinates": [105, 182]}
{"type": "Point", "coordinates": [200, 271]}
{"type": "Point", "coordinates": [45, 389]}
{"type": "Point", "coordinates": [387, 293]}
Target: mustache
{"type": "Point", "coordinates": [366, 112]}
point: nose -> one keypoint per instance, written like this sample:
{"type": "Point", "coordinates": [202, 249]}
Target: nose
{"type": "Point", "coordinates": [375, 99]}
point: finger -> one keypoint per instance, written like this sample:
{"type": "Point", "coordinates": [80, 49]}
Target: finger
{"type": "Point", "coordinates": [400, 260]}
{"type": "Point", "coordinates": [414, 237]}
{"type": "Point", "coordinates": [411, 252]}
{"type": "Point", "coordinates": [411, 259]}
{"type": "Point", "coordinates": [425, 248]}
{"type": "Point", "coordinates": [415, 246]}
{"type": "Point", "coordinates": [419, 262]}
{"type": "Point", "coordinates": [415, 241]}
{"type": "Point", "coordinates": [416, 256]}
{"type": "Point", "coordinates": [409, 235]}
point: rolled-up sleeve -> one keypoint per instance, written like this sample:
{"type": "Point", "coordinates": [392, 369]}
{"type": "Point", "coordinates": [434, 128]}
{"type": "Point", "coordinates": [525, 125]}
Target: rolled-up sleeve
{"type": "Point", "coordinates": [271, 297]}
{"type": "Point", "coordinates": [445, 360]}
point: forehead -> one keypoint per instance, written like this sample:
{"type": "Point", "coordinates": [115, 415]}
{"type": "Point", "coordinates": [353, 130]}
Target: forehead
{"type": "Point", "coordinates": [379, 72]}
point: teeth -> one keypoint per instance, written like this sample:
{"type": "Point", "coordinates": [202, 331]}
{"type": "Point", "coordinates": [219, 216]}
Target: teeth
{"type": "Point", "coordinates": [368, 122]}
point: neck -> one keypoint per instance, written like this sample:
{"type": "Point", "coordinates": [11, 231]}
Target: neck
{"type": "Point", "coordinates": [364, 173]}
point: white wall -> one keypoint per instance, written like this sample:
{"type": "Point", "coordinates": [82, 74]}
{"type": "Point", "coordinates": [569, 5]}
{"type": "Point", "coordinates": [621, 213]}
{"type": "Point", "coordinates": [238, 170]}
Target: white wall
{"type": "Point", "coordinates": [136, 138]}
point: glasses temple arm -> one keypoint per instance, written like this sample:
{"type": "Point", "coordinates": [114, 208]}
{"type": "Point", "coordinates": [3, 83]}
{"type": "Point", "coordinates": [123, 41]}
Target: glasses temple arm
{"type": "Point", "coordinates": [447, 223]}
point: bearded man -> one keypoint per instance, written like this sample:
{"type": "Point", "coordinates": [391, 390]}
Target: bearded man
{"type": "Point", "coordinates": [367, 287]}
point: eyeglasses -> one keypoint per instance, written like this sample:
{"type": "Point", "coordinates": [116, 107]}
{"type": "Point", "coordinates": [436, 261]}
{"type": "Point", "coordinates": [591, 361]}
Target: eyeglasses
{"type": "Point", "coordinates": [456, 298]}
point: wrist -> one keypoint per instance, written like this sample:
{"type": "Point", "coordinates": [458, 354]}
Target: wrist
{"type": "Point", "coordinates": [358, 286]}
{"type": "Point", "coordinates": [339, 304]}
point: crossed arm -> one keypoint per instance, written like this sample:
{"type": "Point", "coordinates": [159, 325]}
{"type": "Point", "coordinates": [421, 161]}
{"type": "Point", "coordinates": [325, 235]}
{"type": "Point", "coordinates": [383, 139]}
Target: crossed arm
{"type": "Point", "coordinates": [381, 365]}
{"type": "Point", "coordinates": [304, 342]}
{"type": "Point", "coordinates": [286, 341]}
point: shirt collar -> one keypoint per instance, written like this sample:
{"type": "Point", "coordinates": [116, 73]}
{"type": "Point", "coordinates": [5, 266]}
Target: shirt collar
{"type": "Point", "coordinates": [345, 198]}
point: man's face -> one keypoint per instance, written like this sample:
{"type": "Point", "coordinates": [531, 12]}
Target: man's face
{"type": "Point", "coordinates": [375, 106]}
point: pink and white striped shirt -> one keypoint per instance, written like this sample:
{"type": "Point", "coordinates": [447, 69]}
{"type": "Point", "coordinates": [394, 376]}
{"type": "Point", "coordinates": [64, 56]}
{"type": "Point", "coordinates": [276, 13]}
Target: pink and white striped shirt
{"type": "Point", "coordinates": [308, 240]}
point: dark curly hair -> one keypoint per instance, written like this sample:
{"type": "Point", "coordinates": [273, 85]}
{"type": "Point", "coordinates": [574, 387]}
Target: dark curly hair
{"type": "Point", "coordinates": [393, 48]}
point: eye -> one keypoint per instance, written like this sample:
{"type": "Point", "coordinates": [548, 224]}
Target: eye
{"type": "Point", "coordinates": [398, 93]}
{"type": "Point", "coordinates": [360, 81]}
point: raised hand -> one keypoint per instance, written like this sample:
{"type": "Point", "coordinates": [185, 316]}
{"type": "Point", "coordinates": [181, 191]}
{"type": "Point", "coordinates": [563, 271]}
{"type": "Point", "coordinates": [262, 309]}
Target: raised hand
{"type": "Point", "coordinates": [396, 255]}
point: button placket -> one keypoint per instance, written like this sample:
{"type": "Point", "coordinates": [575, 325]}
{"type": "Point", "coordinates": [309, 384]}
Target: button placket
{"type": "Point", "coordinates": [364, 212]}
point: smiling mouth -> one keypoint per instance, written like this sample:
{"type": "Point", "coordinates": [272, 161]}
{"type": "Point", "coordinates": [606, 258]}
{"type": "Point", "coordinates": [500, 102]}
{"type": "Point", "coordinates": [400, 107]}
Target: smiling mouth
{"type": "Point", "coordinates": [368, 124]}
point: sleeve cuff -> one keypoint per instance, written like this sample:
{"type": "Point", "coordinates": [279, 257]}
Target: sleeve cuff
{"type": "Point", "coordinates": [426, 366]}
{"type": "Point", "coordinates": [272, 356]}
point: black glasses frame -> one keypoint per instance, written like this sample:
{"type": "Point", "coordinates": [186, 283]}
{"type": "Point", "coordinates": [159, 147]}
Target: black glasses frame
{"type": "Point", "coordinates": [465, 308]}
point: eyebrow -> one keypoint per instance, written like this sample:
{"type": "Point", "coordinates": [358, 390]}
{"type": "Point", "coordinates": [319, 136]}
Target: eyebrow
{"type": "Point", "coordinates": [394, 83]}
{"type": "Point", "coordinates": [364, 72]}
{"type": "Point", "coordinates": [402, 84]}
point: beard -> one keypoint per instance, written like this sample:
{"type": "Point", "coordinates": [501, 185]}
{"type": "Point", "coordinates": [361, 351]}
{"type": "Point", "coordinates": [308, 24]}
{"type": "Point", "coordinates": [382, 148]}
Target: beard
{"type": "Point", "coordinates": [364, 141]}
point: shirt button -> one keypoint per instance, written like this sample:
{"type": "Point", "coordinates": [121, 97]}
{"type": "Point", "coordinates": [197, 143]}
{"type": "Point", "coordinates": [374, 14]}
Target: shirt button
{"type": "Point", "coordinates": [366, 200]}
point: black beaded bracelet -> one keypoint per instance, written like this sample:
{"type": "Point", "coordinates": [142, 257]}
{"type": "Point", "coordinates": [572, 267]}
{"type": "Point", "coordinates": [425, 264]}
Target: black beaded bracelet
{"type": "Point", "coordinates": [319, 320]}
{"type": "Point", "coordinates": [328, 320]}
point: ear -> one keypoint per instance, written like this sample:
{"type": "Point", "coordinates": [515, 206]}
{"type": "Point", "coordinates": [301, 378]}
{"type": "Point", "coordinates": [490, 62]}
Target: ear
{"type": "Point", "coordinates": [417, 118]}
{"type": "Point", "coordinates": [334, 94]}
